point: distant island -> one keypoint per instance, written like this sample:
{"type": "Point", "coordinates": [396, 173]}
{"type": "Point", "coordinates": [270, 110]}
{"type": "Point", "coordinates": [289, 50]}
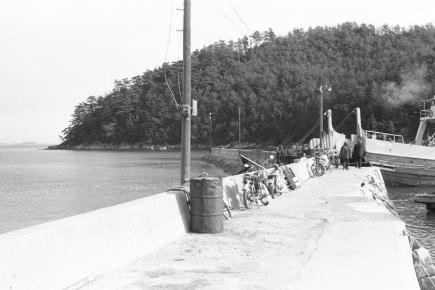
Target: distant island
{"type": "Point", "coordinates": [274, 80]}
{"type": "Point", "coordinates": [25, 145]}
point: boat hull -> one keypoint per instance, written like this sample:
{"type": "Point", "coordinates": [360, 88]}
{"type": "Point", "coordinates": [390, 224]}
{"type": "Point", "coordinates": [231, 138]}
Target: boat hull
{"type": "Point", "coordinates": [402, 164]}
{"type": "Point", "coordinates": [395, 177]}
{"type": "Point", "coordinates": [389, 159]}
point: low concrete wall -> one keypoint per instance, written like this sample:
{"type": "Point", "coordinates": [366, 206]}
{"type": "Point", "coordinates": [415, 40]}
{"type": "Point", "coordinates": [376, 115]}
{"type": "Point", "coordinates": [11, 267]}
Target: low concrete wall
{"type": "Point", "coordinates": [57, 254]}
{"type": "Point", "coordinates": [410, 252]}
{"type": "Point", "coordinates": [302, 169]}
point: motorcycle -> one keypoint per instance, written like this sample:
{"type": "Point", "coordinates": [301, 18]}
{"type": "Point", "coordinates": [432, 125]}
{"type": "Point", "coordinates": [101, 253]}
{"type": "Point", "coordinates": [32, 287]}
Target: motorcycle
{"type": "Point", "coordinates": [254, 190]}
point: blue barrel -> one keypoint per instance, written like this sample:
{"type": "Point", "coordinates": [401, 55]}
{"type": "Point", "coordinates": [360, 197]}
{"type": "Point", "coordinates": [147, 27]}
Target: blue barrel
{"type": "Point", "coordinates": [206, 205]}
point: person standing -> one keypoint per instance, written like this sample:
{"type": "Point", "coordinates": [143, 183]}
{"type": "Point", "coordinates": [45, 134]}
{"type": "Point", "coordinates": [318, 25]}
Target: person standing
{"type": "Point", "coordinates": [345, 155]}
{"type": "Point", "coordinates": [358, 153]}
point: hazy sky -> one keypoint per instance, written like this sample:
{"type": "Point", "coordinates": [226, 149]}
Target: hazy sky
{"type": "Point", "coordinates": [56, 53]}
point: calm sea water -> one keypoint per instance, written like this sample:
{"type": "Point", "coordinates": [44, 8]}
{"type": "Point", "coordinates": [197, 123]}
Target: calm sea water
{"type": "Point", "coordinates": [37, 186]}
{"type": "Point", "coordinates": [420, 222]}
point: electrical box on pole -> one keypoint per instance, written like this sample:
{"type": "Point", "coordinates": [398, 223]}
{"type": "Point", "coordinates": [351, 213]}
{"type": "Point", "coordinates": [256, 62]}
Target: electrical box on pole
{"type": "Point", "coordinates": [194, 112]}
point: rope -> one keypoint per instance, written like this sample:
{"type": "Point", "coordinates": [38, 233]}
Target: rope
{"type": "Point", "coordinates": [310, 131]}
{"type": "Point", "coordinates": [408, 234]}
{"type": "Point", "coordinates": [345, 118]}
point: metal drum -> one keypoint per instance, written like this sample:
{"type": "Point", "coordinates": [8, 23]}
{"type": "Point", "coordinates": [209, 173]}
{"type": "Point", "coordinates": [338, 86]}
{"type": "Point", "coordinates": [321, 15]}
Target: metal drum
{"type": "Point", "coordinates": [206, 203]}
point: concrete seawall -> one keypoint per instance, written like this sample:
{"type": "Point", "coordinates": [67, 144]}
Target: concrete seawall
{"type": "Point", "coordinates": [58, 254]}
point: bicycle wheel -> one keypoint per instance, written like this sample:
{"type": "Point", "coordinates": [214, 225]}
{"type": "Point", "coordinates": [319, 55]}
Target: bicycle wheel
{"type": "Point", "coordinates": [320, 169]}
{"type": "Point", "coordinates": [263, 194]}
{"type": "Point", "coordinates": [227, 211]}
{"type": "Point", "coordinates": [271, 190]}
{"type": "Point", "coordinates": [327, 164]}
{"type": "Point", "coordinates": [264, 201]}
{"type": "Point", "coordinates": [247, 201]}
{"type": "Point", "coordinates": [314, 169]}
{"type": "Point", "coordinates": [310, 169]}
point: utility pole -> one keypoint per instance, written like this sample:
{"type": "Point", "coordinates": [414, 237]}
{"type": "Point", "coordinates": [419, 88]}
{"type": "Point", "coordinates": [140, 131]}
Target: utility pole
{"type": "Point", "coordinates": [186, 106]}
{"type": "Point", "coordinates": [322, 87]}
{"type": "Point", "coordinates": [321, 118]}
{"type": "Point", "coordinates": [209, 129]}
{"type": "Point", "coordinates": [240, 138]}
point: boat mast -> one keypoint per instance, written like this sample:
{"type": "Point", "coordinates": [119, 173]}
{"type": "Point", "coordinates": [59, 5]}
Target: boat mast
{"type": "Point", "coordinates": [186, 106]}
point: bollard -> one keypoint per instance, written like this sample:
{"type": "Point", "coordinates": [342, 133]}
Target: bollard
{"type": "Point", "coordinates": [206, 202]}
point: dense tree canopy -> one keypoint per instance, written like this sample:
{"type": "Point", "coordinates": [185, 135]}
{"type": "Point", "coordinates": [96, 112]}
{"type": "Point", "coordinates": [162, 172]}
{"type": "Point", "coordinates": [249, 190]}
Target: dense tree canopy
{"type": "Point", "coordinates": [275, 82]}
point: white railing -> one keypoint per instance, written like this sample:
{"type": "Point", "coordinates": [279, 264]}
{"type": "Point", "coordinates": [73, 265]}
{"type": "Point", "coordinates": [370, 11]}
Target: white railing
{"type": "Point", "coordinates": [431, 141]}
{"type": "Point", "coordinates": [426, 114]}
{"type": "Point", "coordinates": [383, 136]}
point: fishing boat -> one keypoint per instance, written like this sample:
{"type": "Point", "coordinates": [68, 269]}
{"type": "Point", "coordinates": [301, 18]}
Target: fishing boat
{"type": "Point", "coordinates": [410, 164]}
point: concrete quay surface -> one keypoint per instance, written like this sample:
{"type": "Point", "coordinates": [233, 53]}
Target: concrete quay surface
{"type": "Point", "coordinates": [325, 235]}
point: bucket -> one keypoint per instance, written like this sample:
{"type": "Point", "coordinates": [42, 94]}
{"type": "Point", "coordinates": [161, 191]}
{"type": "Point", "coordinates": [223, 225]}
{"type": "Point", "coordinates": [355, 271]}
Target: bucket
{"type": "Point", "coordinates": [206, 205]}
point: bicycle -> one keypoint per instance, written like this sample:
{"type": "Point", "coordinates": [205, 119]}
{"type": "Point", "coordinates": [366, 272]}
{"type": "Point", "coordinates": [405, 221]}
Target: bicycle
{"type": "Point", "coordinates": [318, 168]}
{"type": "Point", "coordinates": [334, 159]}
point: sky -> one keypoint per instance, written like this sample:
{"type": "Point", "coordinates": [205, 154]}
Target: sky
{"type": "Point", "coordinates": [56, 53]}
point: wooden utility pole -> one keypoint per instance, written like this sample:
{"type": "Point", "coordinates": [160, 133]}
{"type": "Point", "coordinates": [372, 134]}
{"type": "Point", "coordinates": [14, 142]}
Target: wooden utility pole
{"type": "Point", "coordinates": [321, 118]}
{"type": "Point", "coordinates": [186, 107]}
{"type": "Point", "coordinates": [209, 129]}
{"type": "Point", "coordinates": [328, 88]}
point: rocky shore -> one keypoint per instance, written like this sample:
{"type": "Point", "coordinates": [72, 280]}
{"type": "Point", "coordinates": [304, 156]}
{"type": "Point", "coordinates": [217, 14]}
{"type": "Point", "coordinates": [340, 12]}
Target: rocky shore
{"type": "Point", "coordinates": [124, 147]}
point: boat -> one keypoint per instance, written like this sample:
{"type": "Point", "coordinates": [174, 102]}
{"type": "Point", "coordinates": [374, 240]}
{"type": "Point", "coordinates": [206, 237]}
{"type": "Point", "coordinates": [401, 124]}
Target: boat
{"type": "Point", "coordinates": [408, 175]}
{"type": "Point", "coordinates": [410, 164]}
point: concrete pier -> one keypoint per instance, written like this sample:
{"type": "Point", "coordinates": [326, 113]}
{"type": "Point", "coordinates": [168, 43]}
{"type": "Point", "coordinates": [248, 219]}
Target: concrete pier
{"type": "Point", "coordinates": [328, 234]}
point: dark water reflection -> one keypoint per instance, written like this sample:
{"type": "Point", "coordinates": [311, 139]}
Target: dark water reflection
{"type": "Point", "coordinates": [420, 222]}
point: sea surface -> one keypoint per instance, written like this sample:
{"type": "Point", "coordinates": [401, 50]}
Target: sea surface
{"type": "Point", "coordinates": [419, 222]}
{"type": "Point", "coordinates": [37, 185]}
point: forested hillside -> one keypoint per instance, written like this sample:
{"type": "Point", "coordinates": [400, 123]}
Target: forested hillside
{"type": "Point", "coordinates": [274, 80]}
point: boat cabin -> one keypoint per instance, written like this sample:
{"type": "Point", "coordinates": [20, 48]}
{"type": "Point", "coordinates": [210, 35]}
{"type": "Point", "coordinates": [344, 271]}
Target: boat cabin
{"type": "Point", "coordinates": [426, 129]}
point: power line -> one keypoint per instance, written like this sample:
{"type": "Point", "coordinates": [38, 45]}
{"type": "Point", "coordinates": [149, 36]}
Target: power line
{"type": "Point", "coordinates": [224, 14]}
{"type": "Point", "coordinates": [166, 56]}
{"type": "Point", "coordinates": [240, 17]}
{"type": "Point", "coordinates": [180, 40]}
{"type": "Point", "coordinates": [170, 31]}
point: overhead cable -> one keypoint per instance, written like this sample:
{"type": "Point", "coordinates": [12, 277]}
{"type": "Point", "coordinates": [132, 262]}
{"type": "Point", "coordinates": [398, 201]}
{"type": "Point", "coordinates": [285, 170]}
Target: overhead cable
{"type": "Point", "coordinates": [240, 17]}
{"type": "Point", "coordinates": [224, 14]}
{"type": "Point", "coordinates": [166, 56]}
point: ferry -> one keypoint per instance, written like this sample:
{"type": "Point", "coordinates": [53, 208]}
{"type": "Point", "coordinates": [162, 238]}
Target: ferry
{"type": "Point", "coordinates": [410, 164]}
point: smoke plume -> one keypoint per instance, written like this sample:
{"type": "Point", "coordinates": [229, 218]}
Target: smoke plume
{"type": "Point", "coordinates": [412, 88]}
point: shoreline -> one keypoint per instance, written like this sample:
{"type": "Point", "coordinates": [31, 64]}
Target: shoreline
{"type": "Point", "coordinates": [124, 147]}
